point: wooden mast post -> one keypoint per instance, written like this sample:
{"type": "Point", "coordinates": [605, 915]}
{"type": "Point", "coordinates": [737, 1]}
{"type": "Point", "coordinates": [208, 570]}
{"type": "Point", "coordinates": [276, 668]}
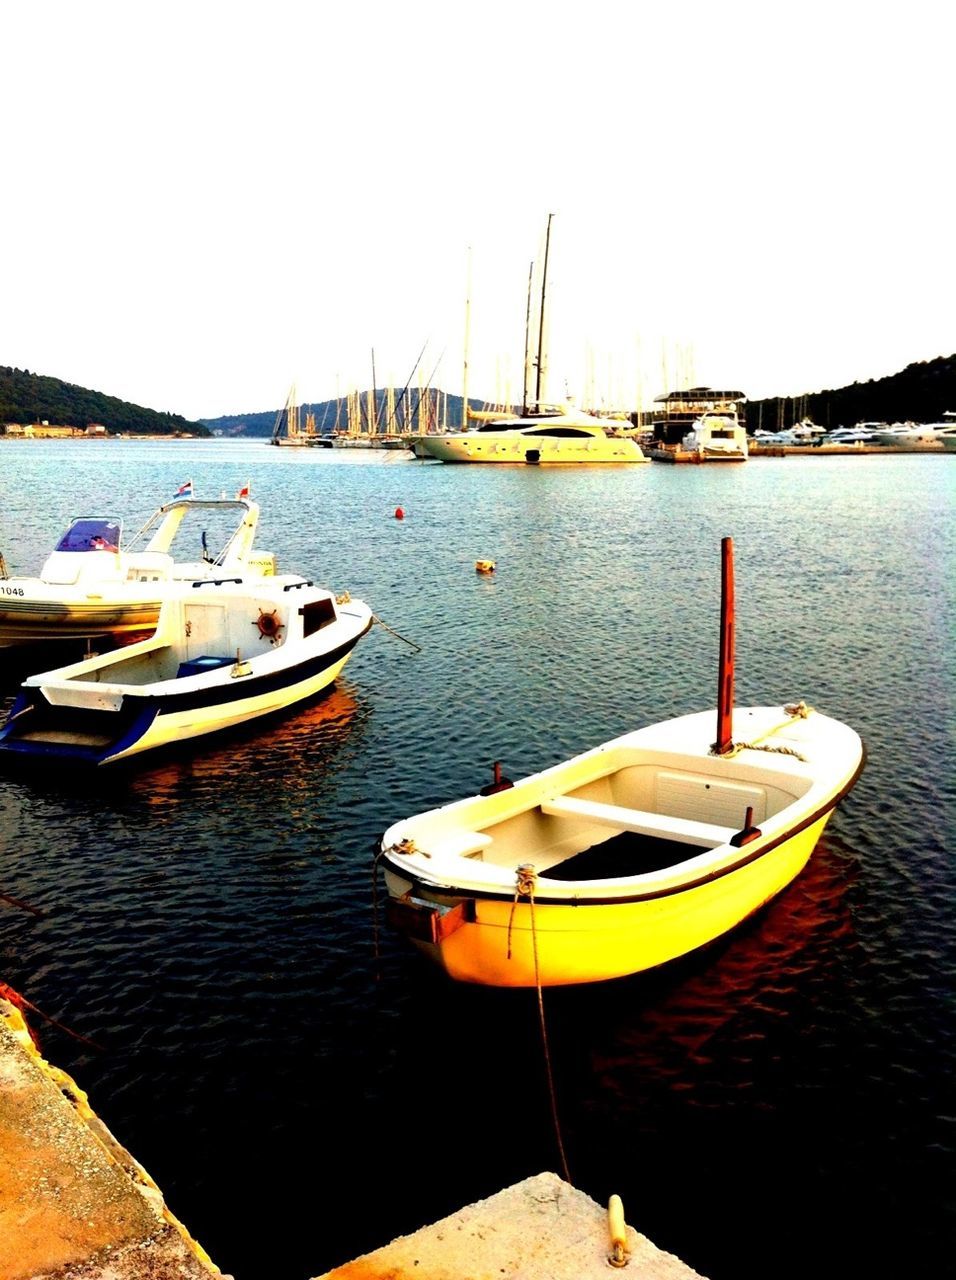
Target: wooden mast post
{"type": "Point", "coordinates": [725, 678]}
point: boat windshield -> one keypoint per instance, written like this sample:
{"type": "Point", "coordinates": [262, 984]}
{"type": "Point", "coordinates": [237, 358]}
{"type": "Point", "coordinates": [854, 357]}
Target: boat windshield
{"type": "Point", "coordinates": [91, 534]}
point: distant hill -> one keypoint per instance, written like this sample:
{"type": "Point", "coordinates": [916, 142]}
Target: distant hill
{"type": "Point", "coordinates": [28, 398]}
{"type": "Point", "coordinates": [412, 413]}
{"type": "Point", "coordinates": [921, 392]}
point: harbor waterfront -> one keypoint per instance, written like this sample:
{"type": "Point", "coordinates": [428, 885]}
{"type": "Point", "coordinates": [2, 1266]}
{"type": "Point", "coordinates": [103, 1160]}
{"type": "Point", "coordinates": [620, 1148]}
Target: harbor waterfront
{"type": "Point", "coordinates": [212, 919]}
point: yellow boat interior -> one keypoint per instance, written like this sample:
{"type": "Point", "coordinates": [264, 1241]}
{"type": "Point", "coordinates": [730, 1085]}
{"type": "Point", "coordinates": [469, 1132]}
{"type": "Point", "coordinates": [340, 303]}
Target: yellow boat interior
{"type": "Point", "coordinates": [633, 810]}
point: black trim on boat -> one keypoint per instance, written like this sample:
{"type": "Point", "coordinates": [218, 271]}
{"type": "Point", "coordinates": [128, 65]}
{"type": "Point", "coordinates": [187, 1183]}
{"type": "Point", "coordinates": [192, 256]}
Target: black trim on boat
{"type": "Point", "coordinates": [545, 899]}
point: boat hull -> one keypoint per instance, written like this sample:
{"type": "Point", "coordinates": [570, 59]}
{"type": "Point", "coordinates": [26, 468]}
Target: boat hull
{"type": "Point", "coordinates": [623, 858]}
{"type": "Point", "coordinates": [27, 617]}
{"type": "Point", "coordinates": [541, 943]}
{"type": "Point", "coordinates": [96, 712]}
{"type": "Point", "coordinates": [515, 448]}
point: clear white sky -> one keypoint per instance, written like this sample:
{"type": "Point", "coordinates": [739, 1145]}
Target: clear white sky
{"type": "Point", "coordinates": [205, 202]}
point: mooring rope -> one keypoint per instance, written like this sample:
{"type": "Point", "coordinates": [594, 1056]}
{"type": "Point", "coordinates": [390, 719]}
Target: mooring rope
{"type": "Point", "coordinates": [795, 711]}
{"type": "Point", "coordinates": [22, 1003]}
{"type": "Point", "coordinates": [524, 887]}
{"type": "Point", "coordinates": [18, 902]}
{"type": "Point", "coordinates": [392, 631]}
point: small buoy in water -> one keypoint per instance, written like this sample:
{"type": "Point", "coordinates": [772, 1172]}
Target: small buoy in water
{"type": "Point", "coordinates": [485, 566]}
{"type": "Point", "coordinates": [399, 513]}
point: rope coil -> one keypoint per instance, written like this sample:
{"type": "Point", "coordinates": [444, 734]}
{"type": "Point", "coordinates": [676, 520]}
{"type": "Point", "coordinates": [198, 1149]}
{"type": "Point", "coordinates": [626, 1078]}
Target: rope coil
{"type": "Point", "coordinates": [794, 711]}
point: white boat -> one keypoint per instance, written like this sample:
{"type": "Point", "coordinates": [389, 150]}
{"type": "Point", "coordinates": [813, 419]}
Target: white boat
{"type": "Point", "coordinates": [717, 436]}
{"type": "Point", "coordinates": [629, 855]}
{"type": "Point", "coordinates": [947, 437]}
{"type": "Point", "coordinates": [911, 434]}
{"type": "Point", "coordinates": [804, 433]}
{"type": "Point", "coordinates": [543, 433]}
{"type": "Point", "coordinates": [555, 434]}
{"type": "Point", "coordinates": [862, 433]}
{"type": "Point", "coordinates": [675, 415]}
{"type": "Point", "coordinates": [223, 652]}
{"type": "Point", "coordinates": [93, 584]}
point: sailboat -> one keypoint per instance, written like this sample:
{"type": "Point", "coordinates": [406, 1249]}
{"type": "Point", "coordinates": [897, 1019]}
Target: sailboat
{"type": "Point", "coordinates": [623, 858]}
{"type": "Point", "coordinates": [295, 435]}
{"type": "Point", "coordinates": [542, 433]}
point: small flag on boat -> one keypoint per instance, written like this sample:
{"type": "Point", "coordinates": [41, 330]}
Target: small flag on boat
{"type": "Point", "coordinates": [184, 490]}
{"type": "Point", "coordinates": [244, 491]}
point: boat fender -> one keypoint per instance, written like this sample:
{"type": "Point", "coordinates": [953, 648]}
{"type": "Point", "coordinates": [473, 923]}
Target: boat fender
{"type": "Point", "coordinates": [499, 784]}
{"type": "Point", "coordinates": [269, 625]}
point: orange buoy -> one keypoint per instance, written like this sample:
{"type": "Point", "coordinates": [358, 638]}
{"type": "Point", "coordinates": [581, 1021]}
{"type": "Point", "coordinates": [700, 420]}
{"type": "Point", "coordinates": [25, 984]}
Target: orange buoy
{"type": "Point", "coordinates": [399, 513]}
{"type": "Point", "coordinates": [484, 566]}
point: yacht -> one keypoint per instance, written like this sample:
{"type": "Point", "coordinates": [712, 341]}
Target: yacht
{"type": "Point", "coordinates": [717, 436]}
{"type": "Point", "coordinates": [862, 433]}
{"type": "Point", "coordinates": [549, 434]}
{"type": "Point", "coordinates": [910, 434]}
{"type": "Point", "coordinates": [675, 415]}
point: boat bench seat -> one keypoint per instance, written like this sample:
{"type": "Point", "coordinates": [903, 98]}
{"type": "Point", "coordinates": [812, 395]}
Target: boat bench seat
{"type": "Point", "coordinates": [685, 830]}
{"type": "Point", "coordinates": [455, 844]}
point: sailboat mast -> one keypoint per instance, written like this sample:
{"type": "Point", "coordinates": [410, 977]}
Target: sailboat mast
{"type": "Point", "coordinates": [725, 678]}
{"type": "Point", "coordinates": [464, 389]}
{"type": "Point", "coordinates": [544, 280]}
{"type": "Point", "coordinates": [373, 404]}
{"type": "Point", "coordinates": [527, 345]}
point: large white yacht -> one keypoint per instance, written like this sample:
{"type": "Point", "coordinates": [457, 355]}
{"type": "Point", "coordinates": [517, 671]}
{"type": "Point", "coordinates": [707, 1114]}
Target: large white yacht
{"type": "Point", "coordinates": [549, 434]}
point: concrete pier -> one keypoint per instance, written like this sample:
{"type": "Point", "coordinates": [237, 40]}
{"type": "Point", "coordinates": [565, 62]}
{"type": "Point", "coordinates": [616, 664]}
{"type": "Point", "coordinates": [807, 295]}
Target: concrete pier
{"type": "Point", "coordinates": [73, 1201]}
{"type": "Point", "coordinates": [75, 1204]}
{"type": "Point", "coordinates": [539, 1229]}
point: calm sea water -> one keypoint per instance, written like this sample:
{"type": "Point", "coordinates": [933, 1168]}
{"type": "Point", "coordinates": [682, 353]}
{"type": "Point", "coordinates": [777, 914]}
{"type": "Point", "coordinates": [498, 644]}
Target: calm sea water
{"type": "Point", "coordinates": [301, 1086]}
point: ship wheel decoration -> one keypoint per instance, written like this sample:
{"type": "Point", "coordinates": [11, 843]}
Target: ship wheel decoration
{"type": "Point", "coordinates": [269, 625]}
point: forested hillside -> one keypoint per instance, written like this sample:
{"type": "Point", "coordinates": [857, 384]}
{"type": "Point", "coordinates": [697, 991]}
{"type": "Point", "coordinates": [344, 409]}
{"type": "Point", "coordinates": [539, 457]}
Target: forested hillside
{"type": "Point", "coordinates": [32, 398]}
{"type": "Point", "coordinates": [921, 392]}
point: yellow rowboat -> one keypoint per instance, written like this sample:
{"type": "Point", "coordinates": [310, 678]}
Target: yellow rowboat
{"type": "Point", "coordinates": [627, 856]}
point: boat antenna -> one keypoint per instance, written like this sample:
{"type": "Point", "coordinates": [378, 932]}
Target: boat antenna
{"type": "Point", "coordinates": [544, 281]}
{"type": "Point", "coordinates": [725, 677]}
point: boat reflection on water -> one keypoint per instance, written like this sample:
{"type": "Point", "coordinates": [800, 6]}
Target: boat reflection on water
{"type": "Point", "coordinates": [285, 759]}
{"type": "Point", "coordinates": [707, 1024]}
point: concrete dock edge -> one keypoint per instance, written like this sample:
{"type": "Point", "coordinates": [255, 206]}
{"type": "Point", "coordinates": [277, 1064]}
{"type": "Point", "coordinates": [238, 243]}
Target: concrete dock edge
{"type": "Point", "coordinates": [539, 1229]}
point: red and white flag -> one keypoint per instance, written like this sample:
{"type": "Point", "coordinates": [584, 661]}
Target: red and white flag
{"type": "Point", "coordinates": [244, 491]}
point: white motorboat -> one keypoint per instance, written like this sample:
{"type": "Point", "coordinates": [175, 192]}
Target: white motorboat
{"type": "Point", "coordinates": [553, 434]}
{"type": "Point", "coordinates": [862, 433]}
{"type": "Point", "coordinates": [803, 433]}
{"type": "Point", "coordinates": [93, 584]}
{"type": "Point", "coordinates": [947, 437]}
{"type": "Point", "coordinates": [629, 855]}
{"type": "Point", "coordinates": [675, 415]}
{"type": "Point", "coordinates": [717, 436]}
{"type": "Point", "coordinates": [919, 435]}
{"type": "Point", "coordinates": [223, 652]}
